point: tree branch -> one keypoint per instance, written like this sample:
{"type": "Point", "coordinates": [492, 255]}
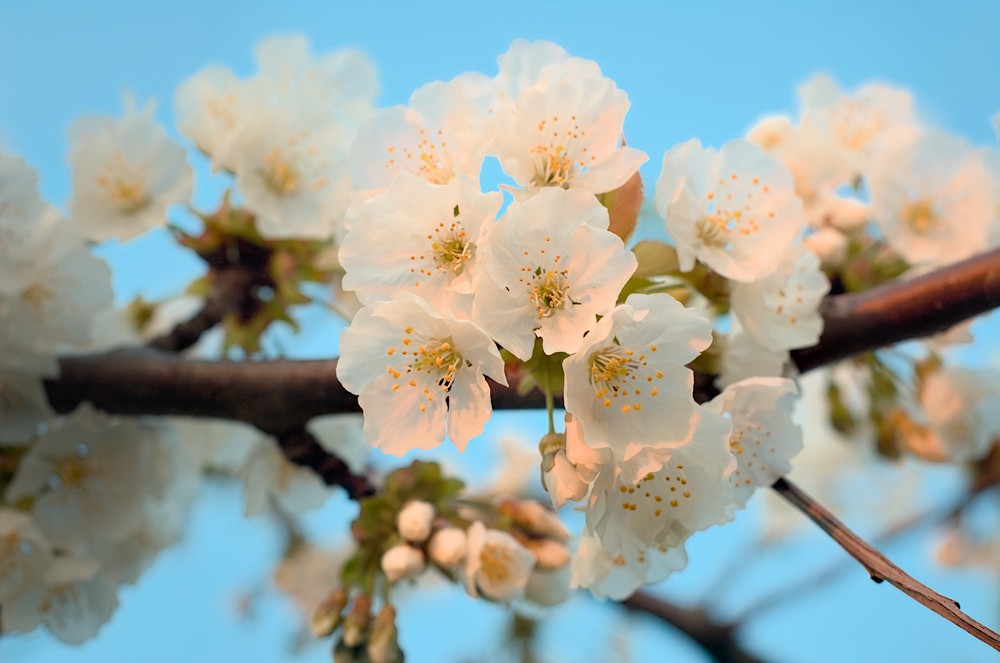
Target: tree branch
{"type": "Point", "coordinates": [229, 288]}
{"type": "Point", "coordinates": [880, 568]}
{"type": "Point", "coordinates": [900, 311]}
{"type": "Point", "coordinates": [716, 639]}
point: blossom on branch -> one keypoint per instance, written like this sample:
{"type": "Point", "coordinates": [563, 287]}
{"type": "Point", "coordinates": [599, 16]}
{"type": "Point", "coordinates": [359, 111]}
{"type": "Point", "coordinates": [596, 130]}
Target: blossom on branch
{"type": "Point", "coordinates": [419, 374]}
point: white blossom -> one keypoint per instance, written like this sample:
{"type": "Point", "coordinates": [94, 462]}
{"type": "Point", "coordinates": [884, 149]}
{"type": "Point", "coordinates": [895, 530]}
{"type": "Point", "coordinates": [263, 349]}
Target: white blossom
{"type": "Point", "coordinates": [935, 198]}
{"type": "Point", "coordinates": [419, 375]}
{"type": "Point", "coordinates": [962, 410]}
{"type": "Point", "coordinates": [734, 210]}
{"type": "Point", "coordinates": [628, 387]}
{"type": "Point", "coordinates": [497, 566]}
{"type": "Point", "coordinates": [292, 172]}
{"type": "Point", "coordinates": [25, 555]}
{"type": "Point", "coordinates": [617, 575]}
{"type": "Point", "coordinates": [73, 602]}
{"type": "Point", "coordinates": [548, 268]}
{"type": "Point", "coordinates": [568, 134]}
{"type": "Point", "coordinates": [26, 223]}
{"type": "Point", "coordinates": [744, 356]}
{"type": "Point", "coordinates": [443, 133]}
{"type": "Point", "coordinates": [421, 238]}
{"type": "Point", "coordinates": [23, 407]}
{"type": "Point", "coordinates": [89, 477]}
{"type": "Point", "coordinates": [781, 310]}
{"type": "Point", "coordinates": [210, 107]}
{"type": "Point", "coordinates": [126, 173]}
{"type": "Point", "coordinates": [764, 437]}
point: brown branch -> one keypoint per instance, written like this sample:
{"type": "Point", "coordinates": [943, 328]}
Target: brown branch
{"type": "Point", "coordinates": [880, 568]}
{"type": "Point", "coordinates": [229, 290]}
{"type": "Point", "coordinates": [302, 448]}
{"type": "Point", "coordinates": [904, 310]}
{"type": "Point", "coordinates": [716, 639]}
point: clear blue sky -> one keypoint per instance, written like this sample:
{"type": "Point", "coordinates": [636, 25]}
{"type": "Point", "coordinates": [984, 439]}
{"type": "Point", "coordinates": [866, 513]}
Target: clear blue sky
{"type": "Point", "coordinates": [691, 69]}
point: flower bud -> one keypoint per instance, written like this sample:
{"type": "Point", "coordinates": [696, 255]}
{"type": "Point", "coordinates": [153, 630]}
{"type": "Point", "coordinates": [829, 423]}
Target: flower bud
{"type": "Point", "coordinates": [402, 561]}
{"type": "Point", "coordinates": [414, 521]}
{"type": "Point", "coordinates": [328, 614]}
{"type": "Point", "coordinates": [382, 645]}
{"type": "Point", "coordinates": [357, 622]}
{"type": "Point", "coordinates": [447, 547]}
{"type": "Point", "coordinates": [539, 520]}
{"type": "Point", "coordinates": [562, 479]}
{"type": "Point", "coordinates": [548, 554]}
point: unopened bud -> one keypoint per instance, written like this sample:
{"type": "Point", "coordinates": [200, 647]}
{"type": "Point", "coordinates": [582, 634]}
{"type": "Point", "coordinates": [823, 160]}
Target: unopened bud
{"type": "Point", "coordinates": [448, 547]}
{"type": "Point", "coordinates": [539, 520]}
{"type": "Point", "coordinates": [328, 614]}
{"type": "Point", "coordinates": [414, 521]}
{"type": "Point", "coordinates": [382, 645]}
{"type": "Point", "coordinates": [402, 561]}
{"type": "Point", "coordinates": [357, 622]}
{"type": "Point", "coordinates": [562, 480]}
{"type": "Point", "coordinates": [549, 554]}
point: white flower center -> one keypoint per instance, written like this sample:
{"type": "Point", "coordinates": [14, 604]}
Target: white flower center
{"type": "Point", "coordinates": [428, 362]}
{"type": "Point", "coordinates": [124, 187]}
{"type": "Point", "coordinates": [559, 152]}
{"type": "Point", "coordinates": [428, 159]}
{"type": "Point", "coordinates": [294, 167]}
{"type": "Point", "coordinates": [548, 290]}
{"type": "Point", "coordinates": [855, 123]}
{"type": "Point", "coordinates": [617, 372]}
{"type": "Point", "coordinates": [729, 212]}
{"type": "Point", "coordinates": [921, 215]}
{"type": "Point", "coordinates": [496, 561]}
{"type": "Point", "coordinates": [451, 247]}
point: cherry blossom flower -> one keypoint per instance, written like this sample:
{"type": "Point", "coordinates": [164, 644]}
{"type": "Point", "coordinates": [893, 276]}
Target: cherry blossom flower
{"type": "Point", "coordinates": [639, 526]}
{"type": "Point", "coordinates": [860, 123]}
{"type": "Point", "coordinates": [764, 437]}
{"type": "Point", "coordinates": [497, 566]}
{"type": "Point", "coordinates": [628, 386]}
{"type": "Point", "coordinates": [73, 602]}
{"type": "Point", "coordinates": [536, 65]}
{"type": "Point", "coordinates": [67, 288]}
{"type": "Point", "coordinates": [549, 267]}
{"type": "Point", "coordinates": [617, 575]}
{"type": "Point", "coordinates": [23, 406]}
{"type": "Point", "coordinates": [442, 134]}
{"type": "Point", "coordinates": [89, 478]}
{"type": "Point", "coordinates": [567, 134]}
{"type": "Point", "coordinates": [126, 173]}
{"type": "Point", "coordinates": [781, 309]}
{"type": "Point", "coordinates": [419, 374]}
{"type": "Point", "coordinates": [26, 223]}
{"type": "Point", "coordinates": [25, 556]}
{"type": "Point", "coordinates": [744, 357]}
{"type": "Point", "coordinates": [962, 410]}
{"type": "Point", "coordinates": [935, 198]}
{"type": "Point", "coordinates": [421, 238]}
{"type": "Point", "coordinates": [734, 210]}
{"type": "Point", "coordinates": [210, 107]}
{"type": "Point", "coordinates": [292, 172]}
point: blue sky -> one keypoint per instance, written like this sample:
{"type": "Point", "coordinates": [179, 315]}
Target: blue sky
{"type": "Point", "coordinates": [704, 70]}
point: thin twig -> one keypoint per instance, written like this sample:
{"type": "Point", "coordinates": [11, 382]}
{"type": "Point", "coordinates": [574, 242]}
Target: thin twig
{"type": "Point", "coordinates": [716, 639]}
{"type": "Point", "coordinates": [880, 568]}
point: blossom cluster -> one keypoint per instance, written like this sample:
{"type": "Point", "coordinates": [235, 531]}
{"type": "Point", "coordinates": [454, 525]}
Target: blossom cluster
{"type": "Point", "coordinates": [448, 276]}
{"type": "Point", "coordinates": [455, 287]}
